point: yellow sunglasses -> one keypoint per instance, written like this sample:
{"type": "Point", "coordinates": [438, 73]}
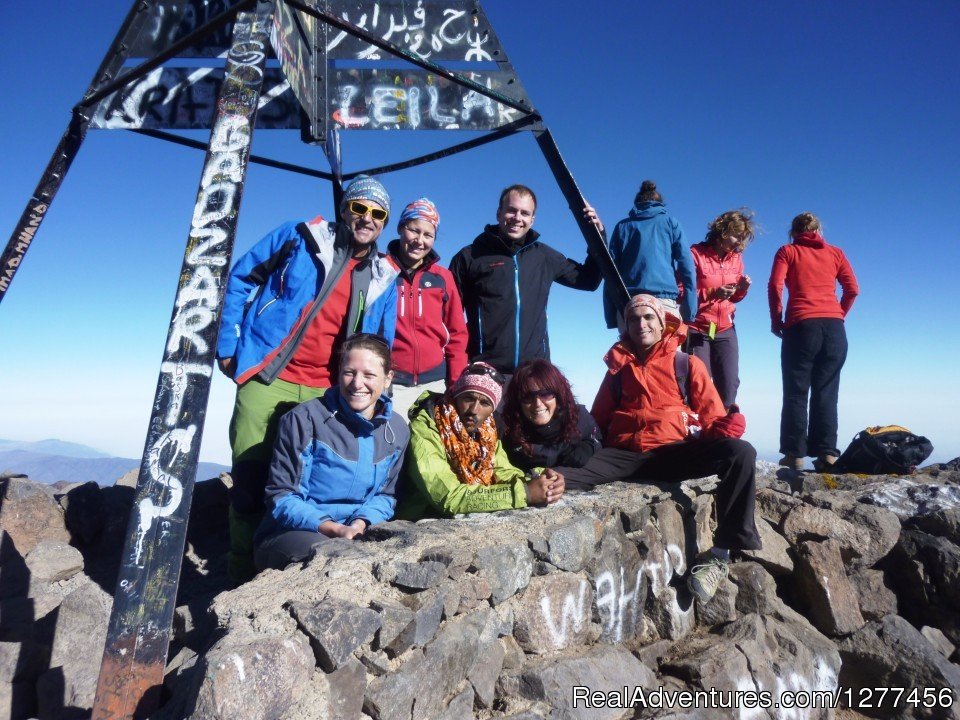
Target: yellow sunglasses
{"type": "Point", "coordinates": [360, 209]}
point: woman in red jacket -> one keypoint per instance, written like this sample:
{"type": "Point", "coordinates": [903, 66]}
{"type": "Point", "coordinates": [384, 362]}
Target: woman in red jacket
{"type": "Point", "coordinates": [814, 340]}
{"type": "Point", "coordinates": [430, 346]}
{"type": "Point", "coordinates": [720, 284]}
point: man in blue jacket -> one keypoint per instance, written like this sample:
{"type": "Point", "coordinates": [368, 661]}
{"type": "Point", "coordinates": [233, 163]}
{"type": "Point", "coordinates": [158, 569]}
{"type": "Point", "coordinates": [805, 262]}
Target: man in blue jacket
{"type": "Point", "coordinates": [313, 283]}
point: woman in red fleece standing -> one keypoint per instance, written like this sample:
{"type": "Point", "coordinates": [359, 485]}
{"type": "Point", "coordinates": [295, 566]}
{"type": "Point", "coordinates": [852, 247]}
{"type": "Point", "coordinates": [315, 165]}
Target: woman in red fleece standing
{"type": "Point", "coordinates": [814, 340]}
{"type": "Point", "coordinates": [721, 283]}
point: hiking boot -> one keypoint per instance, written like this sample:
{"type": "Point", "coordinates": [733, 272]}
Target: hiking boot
{"type": "Point", "coordinates": [792, 462]}
{"type": "Point", "coordinates": [824, 463]}
{"type": "Point", "coordinates": [706, 578]}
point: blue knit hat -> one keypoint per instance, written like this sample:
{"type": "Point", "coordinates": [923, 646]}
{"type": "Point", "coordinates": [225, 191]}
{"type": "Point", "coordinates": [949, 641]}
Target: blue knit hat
{"type": "Point", "coordinates": [365, 187]}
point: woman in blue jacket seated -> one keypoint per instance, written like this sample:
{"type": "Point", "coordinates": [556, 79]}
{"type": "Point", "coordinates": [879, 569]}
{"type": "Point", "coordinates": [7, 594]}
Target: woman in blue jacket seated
{"type": "Point", "coordinates": [544, 427]}
{"type": "Point", "coordinates": [336, 460]}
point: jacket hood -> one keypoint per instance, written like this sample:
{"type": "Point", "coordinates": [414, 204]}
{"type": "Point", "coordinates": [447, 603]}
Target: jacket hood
{"type": "Point", "coordinates": [393, 251]}
{"type": "Point", "coordinates": [334, 403]}
{"type": "Point", "coordinates": [810, 239]}
{"type": "Point", "coordinates": [426, 403]}
{"type": "Point", "coordinates": [647, 209]}
{"type": "Point", "coordinates": [490, 239]}
{"type": "Point", "coordinates": [621, 355]}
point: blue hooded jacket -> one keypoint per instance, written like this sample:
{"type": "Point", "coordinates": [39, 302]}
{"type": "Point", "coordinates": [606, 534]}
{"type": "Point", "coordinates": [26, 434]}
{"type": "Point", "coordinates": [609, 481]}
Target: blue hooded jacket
{"type": "Point", "coordinates": [649, 251]}
{"type": "Point", "coordinates": [330, 463]}
{"type": "Point", "coordinates": [291, 273]}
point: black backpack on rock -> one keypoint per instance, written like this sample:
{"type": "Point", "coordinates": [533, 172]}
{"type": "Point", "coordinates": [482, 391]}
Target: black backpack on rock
{"type": "Point", "coordinates": [884, 450]}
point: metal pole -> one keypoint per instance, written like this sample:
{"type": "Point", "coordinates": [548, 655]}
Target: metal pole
{"type": "Point", "coordinates": [138, 637]}
{"type": "Point", "coordinates": [596, 242]}
{"type": "Point", "coordinates": [67, 149]}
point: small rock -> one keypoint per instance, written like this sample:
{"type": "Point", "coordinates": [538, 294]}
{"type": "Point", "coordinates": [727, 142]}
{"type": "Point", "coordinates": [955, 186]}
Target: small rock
{"type": "Point", "coordinates": [570, 545]}
{"type": "Point", "coordinates": [28, 515]}
{"type": "Point", "coordinates": [80, 635]}
{"type": "Point", "coordinates": [602, 668]}
{"type": "Point", "coordinates": [703, 522]}
{"type": "Point", "coordinates": [252, 679]}
{"type": "Point", "coordinates": [22, 661]}
{"type": "Point", "coordinates": [418, 575]}
{"type": "Point", "coordinates": [938, 640]}
{"type": "Point", "coordinates": [421, 629]}
{"type": "Point", "coordinates": [474, 591]}
{"type": "Point", "coordinates": [345, 689]}
{"type": "Point", "coordinates": [51, 561]}
{"type": "Point", "coordinates": [336, 628]}
{"type": "Point", "coordinates": [892, 653]}
{"type": "Point", "coordinates": [722, 607]}
{"type": "Point", "coordinates": [513, 654]}
{"type": "Point", "coordinates": [376, 662]}
{"type": "Point", "coordinates": [394, 617]}
{"type": "Point", "coordinates": [460, 707]}
{"type": "Point", "coordinates": [876, 599]}
{"type": "Point", "coordinates": [773, 506]}
{"type": "Point", "coordinates": [485, 670]}
{"type": "Point", "coordinates": [833, 604]}
{"type": "Point", "coordinates": [507, 569]}
{"type": "Point", "coordinates": [806, 522]}
{"type": "Point", "coordinates": [756, 589]}
{"type": "Point", "coordinates": [391, 697]}
{"type": "Point", "coordinates": [633, 519]}
{"type": "Point", "coordinates": [553, 613]}
{"type": "Point", "coordinates": [774, 555]}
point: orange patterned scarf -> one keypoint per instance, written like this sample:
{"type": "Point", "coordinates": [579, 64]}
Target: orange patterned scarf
{"type": "Point", "coordinates": [471, 458]}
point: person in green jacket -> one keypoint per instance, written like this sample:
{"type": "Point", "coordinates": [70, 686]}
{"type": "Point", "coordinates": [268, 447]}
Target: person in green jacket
{"type": "Point", "coordinates": [455, 463]}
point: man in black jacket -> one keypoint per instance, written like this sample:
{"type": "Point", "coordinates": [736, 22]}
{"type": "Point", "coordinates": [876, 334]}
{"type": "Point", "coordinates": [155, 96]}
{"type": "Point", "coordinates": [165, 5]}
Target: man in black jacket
{"type": "Point", "coordinates": [504, 278]}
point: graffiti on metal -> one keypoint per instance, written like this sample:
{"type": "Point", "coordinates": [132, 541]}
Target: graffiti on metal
{"type": "Point", "coordinates": [416, 100]}
{"type": "Point", "coordinates": [446, 30]}
{"type": "Point", "coordinates": [185, 98]}
{"type": "Point", "coordinates": [172, 20]}
{"type": "Point", "coordinates": [291, 36]}
{"type": "Point", "coordinates": [138, 635]}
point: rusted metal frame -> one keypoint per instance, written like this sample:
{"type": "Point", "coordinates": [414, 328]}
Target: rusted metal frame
{"type": "Point", "coordinates": [171, 52]}
{"type": "Point", "coordinates": [256, 159]}
{"type": "Point", "coordinates": [138, 636]}
{"type": "Point", "coordinates": [397, 51]}
{"type": "Point", "coordinates": [596, 242]}
{"type": "Point", "coordinates": [62, 158]}
{"type": "Point", "coordinates": [498, 134]}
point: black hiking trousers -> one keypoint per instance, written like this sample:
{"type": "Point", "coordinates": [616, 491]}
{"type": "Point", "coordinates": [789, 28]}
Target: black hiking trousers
{"type": "Point", "coordinates": [811, 357]}
{"type": "Point", "coordinates": [733, 460]}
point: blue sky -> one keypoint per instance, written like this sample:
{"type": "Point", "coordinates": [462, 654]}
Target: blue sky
{"type": "Point", "coordinates": [846, 109]}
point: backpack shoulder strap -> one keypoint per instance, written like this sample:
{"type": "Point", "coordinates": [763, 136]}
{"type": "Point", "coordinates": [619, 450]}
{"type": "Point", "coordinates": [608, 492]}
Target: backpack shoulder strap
{"type": "Point", "coordinates": [681, 366]}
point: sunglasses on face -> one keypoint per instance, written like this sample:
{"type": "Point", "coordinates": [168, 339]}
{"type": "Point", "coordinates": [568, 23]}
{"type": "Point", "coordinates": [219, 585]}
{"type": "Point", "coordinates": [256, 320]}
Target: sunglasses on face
{"type": "Point", "coordinates": [482, 370]}
{"type": "Point", "coordinates": [361, 209]}
{"type": "Point", "coordinates": [532, 396]}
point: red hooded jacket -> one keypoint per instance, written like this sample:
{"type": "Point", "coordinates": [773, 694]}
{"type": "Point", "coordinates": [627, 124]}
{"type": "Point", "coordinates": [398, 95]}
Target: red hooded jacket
{"type": "Point", "coordinates": [810, 268]}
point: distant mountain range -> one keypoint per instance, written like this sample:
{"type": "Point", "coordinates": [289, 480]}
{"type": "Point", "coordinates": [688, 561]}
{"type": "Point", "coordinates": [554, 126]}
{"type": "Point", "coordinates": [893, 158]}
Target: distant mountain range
{"type": "Point", "coordinates": [50, 461]}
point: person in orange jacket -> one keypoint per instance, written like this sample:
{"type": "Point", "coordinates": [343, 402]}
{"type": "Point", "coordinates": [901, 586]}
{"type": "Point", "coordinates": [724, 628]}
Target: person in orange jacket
{"type": "Point", "coordinates": [651, 432]}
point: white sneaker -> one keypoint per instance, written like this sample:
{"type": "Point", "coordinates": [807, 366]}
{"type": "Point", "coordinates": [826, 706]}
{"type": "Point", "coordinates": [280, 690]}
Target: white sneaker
{"type": "Point", "coordinates": [706, 578]}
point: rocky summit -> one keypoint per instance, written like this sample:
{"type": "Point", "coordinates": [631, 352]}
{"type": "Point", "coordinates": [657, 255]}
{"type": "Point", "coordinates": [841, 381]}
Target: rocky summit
{"type": "Point", "coordinates": [579, 610]}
